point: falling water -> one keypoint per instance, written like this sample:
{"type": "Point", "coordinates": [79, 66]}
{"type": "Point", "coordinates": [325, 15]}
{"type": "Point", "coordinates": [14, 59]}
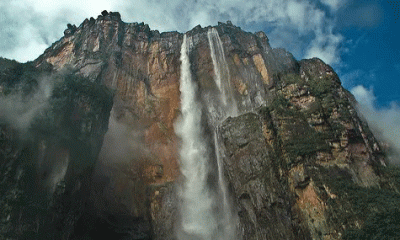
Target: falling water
{"type": "Point", "coordinates": [221, 78]}
{"type": "Point", "coordinates": [198, 219]}
{"type": "Point", "coordinates": [205, 211]}
{"type": "Point", "coordinates": [228, 107]}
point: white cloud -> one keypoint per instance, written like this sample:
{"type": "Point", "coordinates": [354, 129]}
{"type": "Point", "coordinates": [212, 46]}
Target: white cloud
{"type": "Point", "coordinates": [296, 13]}
{"type": "Point", "coordinates": [384, 122]}
{"type": "Point", "coordinates": [365, 97]}
{"type": "Point", "coordinates": [301, 19]}
{"type": "Point", "coordinates": [334, 4]}
{"type": "Point", "coordinates": [325, 46]}
{"type": "Point", "coordinates": [350, 78]}
{"type": "Point", "coordinates": [29, 49]}
{"type": "Point", "coordinates": [19, 110]}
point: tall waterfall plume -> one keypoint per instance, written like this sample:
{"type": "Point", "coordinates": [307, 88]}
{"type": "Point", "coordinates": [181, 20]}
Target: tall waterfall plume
{"type": "Point", "coordinates": [198, 218]}
{"type": "Point", "coordinates": [227, 108]}
{"type": "Point", "coordinates": [206, 211]}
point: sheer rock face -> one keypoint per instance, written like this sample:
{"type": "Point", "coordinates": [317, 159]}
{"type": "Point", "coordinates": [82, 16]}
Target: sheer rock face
{"type": "Point", "coordinates": [46, 167]}
{"type": "Point", "coordinates": [281, 161]}
{"type": "Point", "coordinates": [297, 130]}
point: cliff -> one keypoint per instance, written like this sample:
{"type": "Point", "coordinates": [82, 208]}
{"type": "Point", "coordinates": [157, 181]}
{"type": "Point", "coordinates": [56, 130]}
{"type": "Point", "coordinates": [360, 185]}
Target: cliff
{"type": "Point", "coordinates": [297, 160]}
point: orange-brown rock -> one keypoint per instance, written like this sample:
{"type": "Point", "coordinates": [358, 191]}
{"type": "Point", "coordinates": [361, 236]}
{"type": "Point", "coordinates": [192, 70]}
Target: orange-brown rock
{"type": "Point", "coordinates": [297, 136]}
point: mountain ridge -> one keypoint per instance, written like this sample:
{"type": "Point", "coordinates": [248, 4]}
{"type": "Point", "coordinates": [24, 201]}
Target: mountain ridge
{"type": "Point", "coordinates": [297, 129]}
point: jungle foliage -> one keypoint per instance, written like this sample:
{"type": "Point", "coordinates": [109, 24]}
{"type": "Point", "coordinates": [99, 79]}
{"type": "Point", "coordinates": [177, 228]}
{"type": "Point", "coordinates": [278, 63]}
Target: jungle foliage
{"type": "Point", "coordinates": [75, 108]}
{"type": "Point", "coordinates": [378, 208]}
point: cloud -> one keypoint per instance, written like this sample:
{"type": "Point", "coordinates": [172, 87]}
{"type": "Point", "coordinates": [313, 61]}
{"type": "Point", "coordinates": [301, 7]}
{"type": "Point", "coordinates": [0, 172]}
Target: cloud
{"type": "Point", "coordinates": [326, 46]}
{"type": "Point", "coordinates": [122, 143]}
{"type": "Point", "coordinates": [334, 5]}
{"type": "Point", "coordinates": [19, 110]}
{"type": "Point", "coordinates": [350, 78]}
{"type": "Point", "coordinates": [384, 122]}
{"type": "Point", "coordinates": [292, 22]}
{"type": "Point", "coordinates": [124, 146]}
{"type": "Point", "coordinates": [25, 32]}
{"type": "Point", "coordinates": [31, 25]}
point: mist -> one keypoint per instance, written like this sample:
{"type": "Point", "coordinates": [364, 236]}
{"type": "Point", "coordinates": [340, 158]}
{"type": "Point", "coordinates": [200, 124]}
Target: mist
{"type": "Point", "coordinates": [122, 143]}
{"type": "Point", "coordinates": [19, 109]}
{"type": "Point", "coordinates": [384, 122]}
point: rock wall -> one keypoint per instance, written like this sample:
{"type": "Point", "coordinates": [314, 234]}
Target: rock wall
{"type": "Point", "coordinates": [282, 160]}
{"type": "Point", "coordinates": [296, 135]}
{"type": "Point", "coordinates": [47, 164]}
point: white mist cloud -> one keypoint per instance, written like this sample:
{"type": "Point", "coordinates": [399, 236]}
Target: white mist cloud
{"type": "Point", "coordinates": [19, 110]}
{"type": "Point", "coordinates": [326, 47]}
{"type": "Point", "coordinates": [384, 122]}
{"type": "Point", "coordinates": [123, 143]}
{"type": "Point", "coordinates": [333, 4]}
{"type": "Point", "coordinates": [350, 78]}
{"type": "Point", "coordinates": [307, 28]}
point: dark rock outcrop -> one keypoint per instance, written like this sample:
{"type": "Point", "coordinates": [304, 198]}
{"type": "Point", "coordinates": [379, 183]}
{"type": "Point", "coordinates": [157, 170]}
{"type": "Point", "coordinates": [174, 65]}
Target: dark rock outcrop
{"type": "Point", "coordinates": [47, 168]}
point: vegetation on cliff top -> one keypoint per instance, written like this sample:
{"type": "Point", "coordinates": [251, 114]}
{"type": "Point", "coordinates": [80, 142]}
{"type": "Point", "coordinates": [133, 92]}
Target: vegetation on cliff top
{"type": "Point", "coordinates": [76, 106]}
{"type": "Point", "coordinates": [20, 77]}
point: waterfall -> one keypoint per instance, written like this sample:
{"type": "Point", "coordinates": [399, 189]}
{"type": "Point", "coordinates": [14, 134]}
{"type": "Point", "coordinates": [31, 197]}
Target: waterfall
{"type": "Point", "coordinates": [228, 107]}
{"type": "Point", "coordinates": [221, 78]}
{"type": "Point", "coordinates": [206, 212]}
{"type": "Point", "coordinates": [198, 218]}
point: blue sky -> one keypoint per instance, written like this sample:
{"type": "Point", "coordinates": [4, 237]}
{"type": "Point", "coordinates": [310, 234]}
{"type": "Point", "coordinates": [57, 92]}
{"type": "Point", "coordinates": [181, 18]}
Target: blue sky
{"type": "Point", "coordinates": [359, 39]}
{"type": "Point", "coordinates": [373, 59]}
